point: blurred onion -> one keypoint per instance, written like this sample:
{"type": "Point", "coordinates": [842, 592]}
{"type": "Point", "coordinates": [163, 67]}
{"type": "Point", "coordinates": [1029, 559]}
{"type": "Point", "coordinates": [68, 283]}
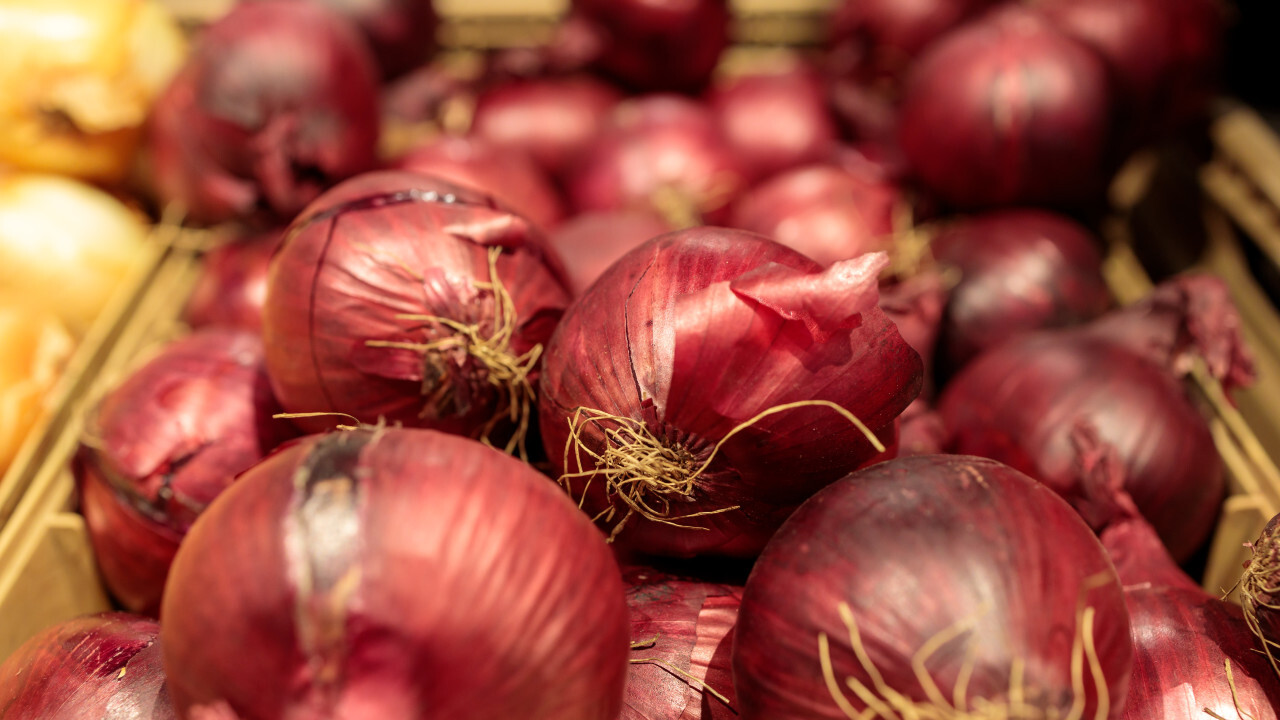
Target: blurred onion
{"type": "Point", "coordinates": [872, 41]}
{"type": "Point", "coordinates": [232, 286]}
{"type": "Point", "coordinates": [35, 348]}
{"type": "Point", "coordinates": [654, 45]}
{"type": "Point", "coordinates": [592, 241]}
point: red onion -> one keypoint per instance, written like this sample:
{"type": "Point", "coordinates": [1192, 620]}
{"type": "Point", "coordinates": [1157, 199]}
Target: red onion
{"type": "Point", "coordinates": [162, 445]}
{"type": "Point", "coordinates": [1260, 590]}
{"type": "Point", "coordinates": [1194, 657]}
{"type": "Point", "coordinates": [921, 430]}
{"type": "Point", "coordinates": [97, 667]}
{"type": "Point", "coordinates": [657, 44]}
{"type": "Point", "coordinates": [701, 389]}
{"type": "Point", "coordinates": [916, 303]}
{"type": "Point", "coordinates": [233, 283]}
{"type": "Point", "coordinates": [396, 573]}
{"type": "Point", "coordinates": [433, 98]}
{"type": "Point", "coordinates": [1007, 110]}
{"type": "Point", "coordinates": [798, 130]}
{"type": "Point", "coordinates": [932, 586]}
{"type": "Point", "coordinates": [681, 635]}
{"type": "Point", "coordinates": [403, 297]}
{"type": "Point", "coordinates": [1198, 28]}
{"type": "Point", "coordinates": [659, 152]}
{"type": "Point", "coordinates": [589, 243]}
{"type": "Point", "coordinates": [277, 101]}
{"type": "Point", "coordinates": [401, 33]}
{"type": "Point", "coordinates": [876, 40]}
{"type": "Point", "coordinates": [553, 119]}
{"type": "Point", "coordinates": [824, 212]}
{"type": "Point", "coordinates": [508, 175]}
{"type": "Point", "coordinates": [1019, 402]}
{"type": "Point", "coordinates": [1019, 270]}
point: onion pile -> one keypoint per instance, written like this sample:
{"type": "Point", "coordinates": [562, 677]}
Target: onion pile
{"type": "Point", "coordinates": [659, 152]}
{"type": "Point", "coordinates": [1194, 657]}
{"type": "Point", "coordinates": [405, 298]}
{"type": "Point", "coordinates": [681, 637]}
{"type": "Point", "coordinates": [1020, 402]}
{"type": "Point", "coordinates": [932, 586]}
{"type": "Point", "coordinates": [395, 573]}
{"type": "Point", "coordinates": [1018, 270]}
{"type": "Point", "coordinates": [506, 174]}
{"type": "Point", "coordinates": [678, 393]}
{"type": "Point", "coordinates": [100, 667]}
{"type": "Point", "coordinates": [277, 102]}
{"type": "Point", "coordinates": [162, 445]}
{"type": "Point", "coordinates": [1026, 111]}
{"type": "Point", "coordinates": [232, 286]}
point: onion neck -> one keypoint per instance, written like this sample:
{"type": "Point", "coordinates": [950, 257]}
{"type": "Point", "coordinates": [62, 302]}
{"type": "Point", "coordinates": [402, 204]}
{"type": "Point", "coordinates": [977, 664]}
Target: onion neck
{"type": "Point", "coordinates": [1260, 591]}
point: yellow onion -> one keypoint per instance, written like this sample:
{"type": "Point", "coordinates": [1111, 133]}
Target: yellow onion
{"type": "Point", "coordinates": [79, 77]}
{"type": "Point", "coordinates": [33, 348]}
{"type": "Point", "coordinates": [64, 246]}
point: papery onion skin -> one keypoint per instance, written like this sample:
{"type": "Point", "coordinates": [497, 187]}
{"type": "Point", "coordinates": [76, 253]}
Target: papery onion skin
{"type": "Point", "coordinates": [509, 175]}
{"type": "Point", "coordinates": [553, 119]}
{"type": "Point", "coordinates": [277, 102]}
{"type": "Point", "coordinates": [824, 212]}
{"type": "Point", "coordinates": [876, 40]}
{"type": "Point", "coordinates": [233, 283]}
{"type": "Point", "coordinates": [659, 152]}
{"type": "Point", "coordinates": [378, 246]}
{"type": "Point", "coordinates": [1183, 641]}
{"type": "Point", "coordinates": [456, 582]}
{"type": "Point", "coordinates": [1260, 590]}
{"type": "Point", "coordinates": [80, 77]}
{"type": "Point", "coordinates": [1019, 402]}
{"type": "Point", "coordinates": [1007, 110]}
{"type": "Point", "coordinates": [657, 45]}
{"type": "Point", "coordinates": [1019, 270]}
{"type": "Point", "coordinates": [921, 546]}
{"type": "Point", "coordinates": [799, 129]}
{"type": "Point", "coordinates": [96, 667]}
{"type": "Point", "coordinates": [162, 445]}
{"type": "Point", "coordinates": [686, 624]}
{"type": "Point", "coordinates": [590, 242]}
{"type": "Point", "coordinates": [696, 332]}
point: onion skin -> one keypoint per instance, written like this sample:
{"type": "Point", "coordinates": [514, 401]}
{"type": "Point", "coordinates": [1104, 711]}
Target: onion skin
{"type": "Point", "coordinates": [917, 547]}
{"type": "Point", "coordinates": [162, 445]}
{"type": "Point", "coordinates": [510, 176]}
{"type": "Point", "coordinates": [1019, 402]}
{"type": "Point", "coordinates": [505, 603]}
{"type": "Point", "coordinates": [1183, 640]}
{"type": "Point", "coordinates": [687, 624]}
{"type": "Point", "coordinates": [357, 258]}
{"type": "Point", "coordinates": [1258, 590]}
{"type": "Point", "coordinates": [96, 667]}
{"type": "Point", "coordinates": [698, 331]}
{"type": "Point", "coordinates": [554, 119]}
{"type": "Point", "coordinates": [663, 153]}
{"type": "Point", "coordinates": [1027, 111]}
{"type": "Point", "coordinates": [231, 141]}
{"type": "Point", "coordinates": [1019, 270]}
{"type": "Point", "coordinates": [799, 130]}
{"type": "Point", "coordinates": [657, 45]}
{"type": "Point", "coordinates": [826, 213]}
{"type": "Point", "coordinates": [592, 241]}
{"type": "Point", "coordinates": [232, 286]}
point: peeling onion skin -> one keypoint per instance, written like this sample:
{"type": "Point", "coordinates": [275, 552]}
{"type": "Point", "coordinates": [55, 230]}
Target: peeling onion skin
{"type": "Point", "coordinates": [1027, 111]}
{"type": "Point", "coordinates": [825, 213]}
{"type": "Point", "coordinates": [510, 176]}
{"type": "Point", "coordinates": [1020, 270]}
{"type": "Point", "coordinates": [353, 261]}
{"type": "Point", "coordinates": [232, 286]}
{"type": "Point", "coordinates": [162, 445]}
{"type": "Point", "coordinates": [277, 102]}
{"type": "Point", "coordinates": [1018, 403]}
{"type": "Point", "coordinates": [1182, 641]}
{"type": "Point", "coordinates": [554, 119]}
{"type": "Point", "coordinates": [96, 667]}
{"type": "Point", "coordinates": [688, 336]}
{"type": "Point", "coordinates": [396, 573]}
{"type": "Point", "coordinates": [688, 624]}
{"type": "Point", "coordinates": [915, 546]}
